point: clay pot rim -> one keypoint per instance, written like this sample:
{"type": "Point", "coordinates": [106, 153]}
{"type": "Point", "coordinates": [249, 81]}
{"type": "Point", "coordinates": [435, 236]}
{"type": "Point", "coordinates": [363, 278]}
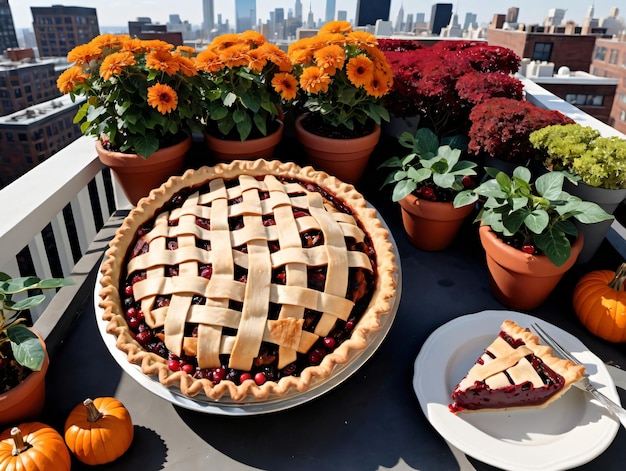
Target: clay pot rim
{"type": "Point", "coordinates": [135, 160]}
{"type": "Point", "coordinates": [329, 141]}
{"type": "Point", "coordinates": [435, 210]}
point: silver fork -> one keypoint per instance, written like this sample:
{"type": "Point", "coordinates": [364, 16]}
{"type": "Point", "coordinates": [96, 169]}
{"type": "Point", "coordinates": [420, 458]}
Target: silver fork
{"type": "Point", "coordinates": [584, 383]}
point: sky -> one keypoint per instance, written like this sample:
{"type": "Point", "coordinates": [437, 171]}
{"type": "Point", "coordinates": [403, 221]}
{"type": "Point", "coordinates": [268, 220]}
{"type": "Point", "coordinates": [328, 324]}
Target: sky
{"type": "Point", "coordinates": [119, 12]}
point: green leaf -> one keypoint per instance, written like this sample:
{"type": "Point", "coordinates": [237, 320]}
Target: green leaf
{"type": "Point", "coordinates": [244, 128]}
{"type": "Point", "coordinates": [26, 347]}
{"type": "Point", "coordinates": [537, 221]}
{"type": "Point", "coordinates": [550, 185]}
{"type": "Point", "coordinates": [393, 162]}
{"type": "Point", "coordinates": [145, 145]}
{"type": "Point", "coordinates": [591, 213]}
{"type": "Point", "coordinates": [402, 189]}
{"type": "Point", "coordinates": [464, 198]}
{"type": "Point", "coordinates": [426, 142]}
{"type": "Point", "coordinates": [555, 245]}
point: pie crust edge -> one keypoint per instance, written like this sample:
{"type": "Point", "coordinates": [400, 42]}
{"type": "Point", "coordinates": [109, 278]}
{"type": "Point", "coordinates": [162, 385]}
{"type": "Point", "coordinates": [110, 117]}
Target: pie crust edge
{"type": "Point", "coordinates": [154, 365]}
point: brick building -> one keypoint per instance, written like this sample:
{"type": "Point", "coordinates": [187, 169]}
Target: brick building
{"type": "Point", "coordinates": [59, 29]}
{"type": "Point", "coordinates": [609, 60]}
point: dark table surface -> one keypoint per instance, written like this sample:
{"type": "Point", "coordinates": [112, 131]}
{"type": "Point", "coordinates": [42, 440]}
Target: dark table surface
{"type": "Point", "coordinates": [370, 421]}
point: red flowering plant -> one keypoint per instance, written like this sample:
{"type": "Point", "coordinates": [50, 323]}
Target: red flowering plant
{"type": "Point", "coordinates": [443, 82]}
{"type": "Point", "coordinates": [501, 128]}
{"type": "Point", "coordinates": [141, 95]}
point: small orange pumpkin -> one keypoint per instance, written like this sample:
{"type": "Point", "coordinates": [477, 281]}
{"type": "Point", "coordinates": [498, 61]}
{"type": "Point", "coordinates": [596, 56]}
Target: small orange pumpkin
{"type": "Point", "coordinates": [33, 446]}
{"type": "Point", "coordinates": [99, 431]}
{"type": "Point", "coordinates": [600, 303]}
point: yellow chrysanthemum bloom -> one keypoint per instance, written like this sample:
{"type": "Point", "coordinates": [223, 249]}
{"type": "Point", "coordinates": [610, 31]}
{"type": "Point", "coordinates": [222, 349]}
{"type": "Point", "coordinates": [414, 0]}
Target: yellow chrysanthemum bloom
{"type": "Point", "coordinates": [360, 70]}
{"type": "Point", "coordinates": [330, 58]}
{"type": "Point", "coordinates": [208, 61]}
{"type": "Point", "coordinates": [70, 78]}
{"type": "Point", "coordinates": [114, 63]}
{"type": "Point", "coordinates": [84, 54]}
{"type": "Point", "coordinates": [286, 85]}
{"type": "Point", "coordinates": [163, 98]}
{"type": "Point", "coordinates": [163, 61]}
{"type": "Point", "coordinates": [314, 80]}
{"type": "Point", "coordinates": [336, 27]}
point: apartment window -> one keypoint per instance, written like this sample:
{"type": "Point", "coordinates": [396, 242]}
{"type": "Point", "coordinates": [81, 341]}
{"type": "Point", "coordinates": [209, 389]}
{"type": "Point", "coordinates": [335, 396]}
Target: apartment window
{"type": "Point", "coordinates": [542, 52]}
{"type": "Point", "coordinates": [622, 116]}
{"type": "Point", "coordinates": [600, 53]}
{"type": "Point", "coordinates": [613, 55]}
{"type": "Point", "coordinates": [580, 99]}
{"type": "Point", "coordinates": [622, 97]}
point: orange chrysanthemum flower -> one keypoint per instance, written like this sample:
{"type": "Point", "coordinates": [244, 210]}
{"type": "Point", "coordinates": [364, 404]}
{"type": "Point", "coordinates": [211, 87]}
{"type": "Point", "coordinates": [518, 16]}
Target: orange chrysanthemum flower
{"type": "Point", "coordinates": [163, 98]}
{"type": "Point", "coordinates": [84, 54]}
{"type": "Point", "coordinates": [330, 58]}
{"type": "Point", "coordinates": [163, 61]}
{"type": "Point", "coordinates": [157, 45]}
{"type": "Point", "coordinates": [314, 80]}
{"type": "Point", "coordinates": [257, 60]}
{"type": "Point", "coordinates": [225, 41]}
{"type": "Point", "coordinates": [110, 41]}
{"type": "Point", "coordinates": [186, 51]}
{"type": "Point", "coordinates": [209, 61]}
{"type": "Point", "coordinates": [360, 70]}
{"type": "Point", "coordinates": [134, 45]}
{"type": "Point", "coordinates": [336, 27]}
{"type": "Point", "coordinates": [235, 56]}
{"type": "Point", "coordinates": [70, 78]}
{"type": "Point", "coordinates": [114, 63]}
{"type": "Point", "coordinates": [286, 85]}
{"type": "Point", "coordinates": [185, 65]}
{"type": "Point", "coordinates": [362, 39]}
{"type": "Point", "coordinates": [379, 86]}
{"type": "Point", "coordinates": [252, 38]}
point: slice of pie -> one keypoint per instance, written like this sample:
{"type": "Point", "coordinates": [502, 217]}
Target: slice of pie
{"type": "Point", "coordinates": [514, 372]}
{"type": "Point", "coordinates": [249, 280]}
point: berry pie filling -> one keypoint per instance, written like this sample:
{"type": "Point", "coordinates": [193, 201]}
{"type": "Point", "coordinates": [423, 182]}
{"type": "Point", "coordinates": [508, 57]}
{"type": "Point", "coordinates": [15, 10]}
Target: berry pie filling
{"type": "Point", "coordinates": [522, 380]}
{"type": "Point", "coordinates": [186, 292]}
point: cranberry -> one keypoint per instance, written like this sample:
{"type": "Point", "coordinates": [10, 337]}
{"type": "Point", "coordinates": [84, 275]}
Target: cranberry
{"type": "Point", "coordinates": [133, 323]}
{"type": "Point", "coordinates": [173, 365]}
{"type": "Point", "coordinates": [329, 342]}
{"type": "Point", "coordinates": [218, 374]}
{"type": "Point", "coordinates": [428, 193]}
{"type": "Point", "coordinates": [143, 337]}
{"type": "Point", "coordinates": [468, 182]}
{"type": "Point", "coordinates": [128, 290]}
{"type": "Point", "coordinates": [315, 357]}
{"type": "Point", "coordinates": [188, 368]}
{"type": "Point", "coordinates": [140, 315]}
{"type": "Point", "coordinates": [259, 378]}
{"type": "Point", "coordinates": [349, 324]}
{"type": "Point", "coordinates": [244, 376]}
{"type": "Point", "coordinates": [131, 312]}
{"type": "Point", "coordinates": [528, 248]}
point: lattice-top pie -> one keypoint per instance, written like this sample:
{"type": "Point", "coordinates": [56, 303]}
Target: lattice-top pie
{"type": "Point", "coordinates": [247, 279]}
{"type": "Point", "coordinates": [515, 372]}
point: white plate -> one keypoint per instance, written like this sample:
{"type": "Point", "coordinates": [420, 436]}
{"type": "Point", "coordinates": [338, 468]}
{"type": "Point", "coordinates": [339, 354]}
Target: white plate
{"type": "Point", "coordinates": [571, 431]}
{"type": "Point", "coordinates": [225, 405]}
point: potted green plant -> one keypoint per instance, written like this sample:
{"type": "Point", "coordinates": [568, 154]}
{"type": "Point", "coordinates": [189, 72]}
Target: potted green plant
{"type": "Point", "coordinates": [527, 229]}
{"type": "Point", "coordinates": [142, 101]}
{"type": "Point", "coordinates": [596, 170]}
{"type": "Point", "coordinates": [249, 83]}
{"type": "Point", "coordinates": [23, 356]}
{"type": "Point", "coordinates": [342, 77]}
{"type": "Point", "coordinates": [425, 182]}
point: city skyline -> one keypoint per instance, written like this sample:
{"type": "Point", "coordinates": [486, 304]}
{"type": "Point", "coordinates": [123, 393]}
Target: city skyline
{"type": "Point", "coordinates": [531, 11]}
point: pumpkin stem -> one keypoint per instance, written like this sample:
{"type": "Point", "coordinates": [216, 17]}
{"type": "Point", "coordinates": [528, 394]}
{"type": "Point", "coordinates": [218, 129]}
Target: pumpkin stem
{"type": "Point", "coordinates": [617, 283]}
{"type": "Point", "coordinates": [92, 411]}
{"type": "Point", "coordinates": [18, 440]}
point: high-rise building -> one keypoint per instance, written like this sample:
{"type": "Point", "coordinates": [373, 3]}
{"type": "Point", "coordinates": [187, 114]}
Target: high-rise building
{"type": "Point", "coordinates": [330, 10]}
{"type": "Point", "coordinates": [245, 13]}
{"type": "Point", "coordinates": [368, 11]}
{"type": "Point", "coordinates": [208, 16]}
{"type": "Point", "coordinates": [24, 83]}
{"type": "Point", "coordinates": [59, 29]}
{"type": "Point", "coordinates": [512, 14]}
{"type": "Point", "coordinates": [8, 38]}
{"type": "Point", "coordinates": [440, 16]}
{"type": "Point", "coordinates": [470, 20]}
{"type": "Point", "coordinates": [342, 15]}
{"type": "Point", "coordinates": [399, 19]}
{"type": "Point", "coordinates": [555, 17]}
{"type": "Point", "coordinates": [298, 13]}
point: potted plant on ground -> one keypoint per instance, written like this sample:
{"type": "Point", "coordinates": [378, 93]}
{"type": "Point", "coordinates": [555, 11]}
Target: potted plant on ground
{"type": "Point", "coordinates": [23, 356]}
{"type": "Point", "coordinates": [249, 83]}
{"type": "Point", "coordinates": [343, 77]}
{"type": "Point", "coordinates": [143, 99]}
{"type": "Point", "coordinates": [500, 128]}
{"type": "Point", "coordinates": [528, 233]}
{"type": "Point", "coordinates": [425, 183]}
{"type": "Point", "coordinates": [596, 168]}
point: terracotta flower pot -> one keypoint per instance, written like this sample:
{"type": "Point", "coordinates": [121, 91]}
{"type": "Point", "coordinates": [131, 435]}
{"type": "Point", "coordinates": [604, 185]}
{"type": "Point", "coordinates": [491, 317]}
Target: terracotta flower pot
{"type": "Point", "coordinates": [226, 150]}
{"type": "Point", "coordinates": [520, 280]}
{"type": "Point", "coordinates": [26, 400]}
{"type": "Point", "coordinates": [137, 175]}
{"type": "Point", "coordinates": [431, 225]}
{"type": "Point", "coordinates": [344, 158]}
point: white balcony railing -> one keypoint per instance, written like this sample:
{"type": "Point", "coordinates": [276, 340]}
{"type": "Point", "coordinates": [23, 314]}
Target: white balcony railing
{"type": "Point", "coordinates": [37, 203]}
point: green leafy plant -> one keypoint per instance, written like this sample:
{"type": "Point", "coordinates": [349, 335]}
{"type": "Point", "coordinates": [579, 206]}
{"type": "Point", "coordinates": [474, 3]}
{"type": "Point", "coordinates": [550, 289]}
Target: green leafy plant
{"type": "Point", "coordinates": [25, 345]}
{"type": "Point", "coordinates": [140, 95]}
{"type": "Point", "coordinates": [533, 215]}
{"type": "Point", "coordinates": [581, 151]}
{"type": "Point", "coordinates": [432, 170]}
{"type": "Point", "coordinates": [343, 76]}
{"type": "Point", "coordinates": [248, 82]}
